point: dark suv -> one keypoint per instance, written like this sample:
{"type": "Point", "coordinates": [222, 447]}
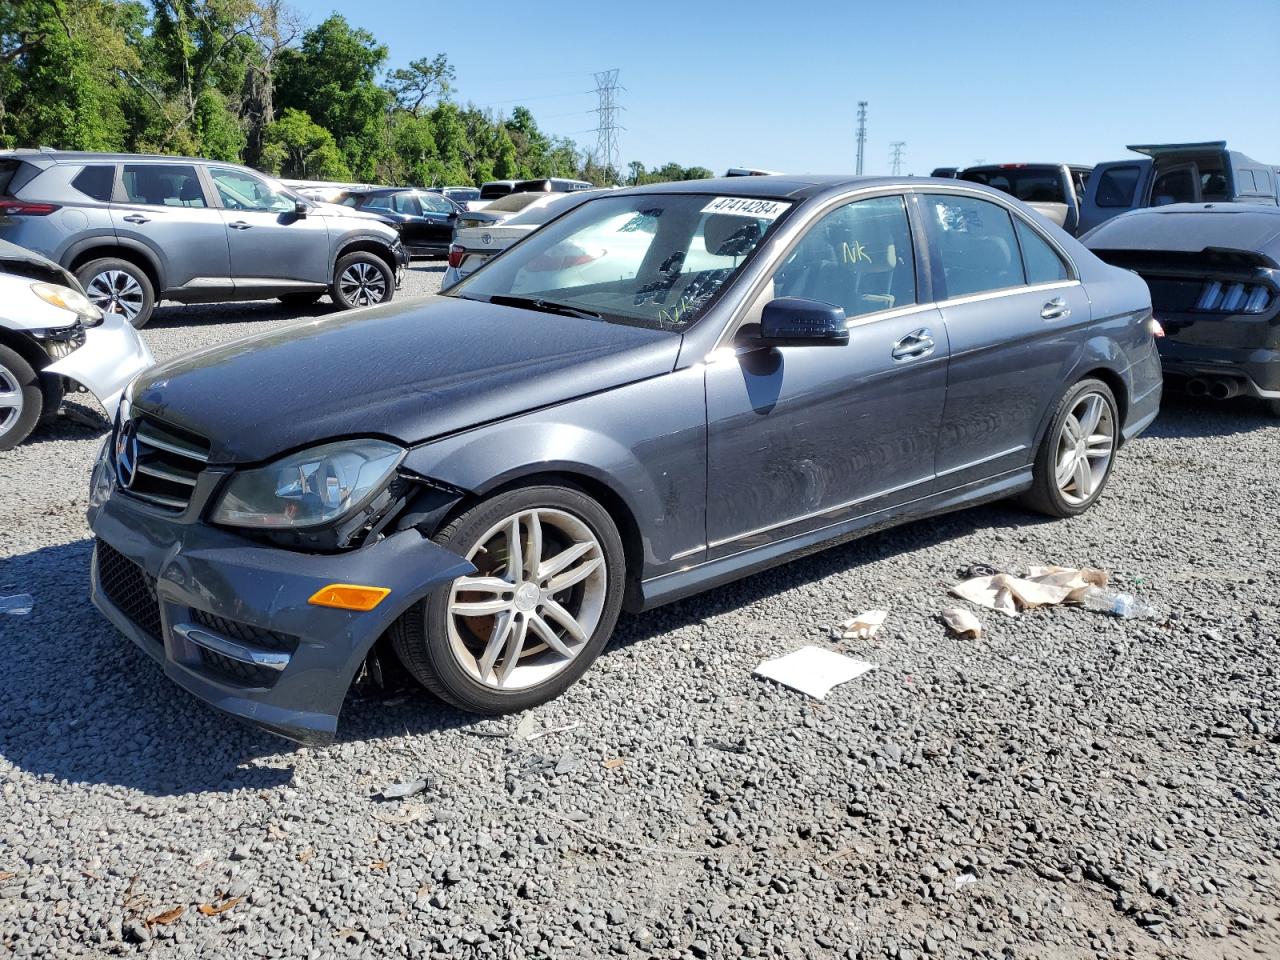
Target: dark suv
{"type": "Point", "coordinates": [136, 229]}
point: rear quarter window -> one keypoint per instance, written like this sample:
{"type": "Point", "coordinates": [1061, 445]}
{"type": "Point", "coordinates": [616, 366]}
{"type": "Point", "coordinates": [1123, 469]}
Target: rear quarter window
{"type": "Point", "coordinates": [96, 181]}
{"type": "Point", "coordinates": [1116, 187]}
{"type": "Point", "coordinates": [8, 168]}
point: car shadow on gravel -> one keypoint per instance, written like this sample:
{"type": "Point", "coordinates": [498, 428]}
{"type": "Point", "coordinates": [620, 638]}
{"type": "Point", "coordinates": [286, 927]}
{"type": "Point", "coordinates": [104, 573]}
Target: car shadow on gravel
{"type": "Point", "coordinates": [1191, 417]}
{"type": "Point", "coordinates": [170, 315]}
{"type": "Point", "coordinates": [86, 706]}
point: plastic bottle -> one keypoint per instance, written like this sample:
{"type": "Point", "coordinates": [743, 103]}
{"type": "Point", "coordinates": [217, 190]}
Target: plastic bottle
{"type": "Point", "coordinates": [19, 604]}
{"type": "Point", "coordinates": [1123, 605]}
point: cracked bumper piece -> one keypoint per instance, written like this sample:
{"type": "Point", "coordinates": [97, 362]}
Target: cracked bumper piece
{"type": "Point", "coordinates": [229, 618]}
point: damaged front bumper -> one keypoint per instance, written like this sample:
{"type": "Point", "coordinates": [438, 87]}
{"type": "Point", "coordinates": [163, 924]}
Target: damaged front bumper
{"type": "Point", "coordinates": [228, 618]}
{"type": "Point", "coordinates": [113, 354]}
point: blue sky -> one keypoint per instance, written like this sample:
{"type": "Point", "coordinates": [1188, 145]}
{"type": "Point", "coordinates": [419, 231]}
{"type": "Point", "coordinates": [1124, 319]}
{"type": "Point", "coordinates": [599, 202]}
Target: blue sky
{"type": "Point", "coordinates": [776, 85]}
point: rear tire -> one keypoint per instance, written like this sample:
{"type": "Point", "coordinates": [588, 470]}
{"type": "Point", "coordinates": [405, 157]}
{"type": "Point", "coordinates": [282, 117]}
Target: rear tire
{"type": "Point", "coordinates": [299, 300]}
{"type": "Point", "coordinates": [362, 279]}
{"type": "Point", "coordinates": [21, 399]}
{"type": "Point", "coordinates": [576, 572]}
{"type": "Point", "coordinates": [118, 286]}
{"type": "Point", "coordinates": [1077, 453]}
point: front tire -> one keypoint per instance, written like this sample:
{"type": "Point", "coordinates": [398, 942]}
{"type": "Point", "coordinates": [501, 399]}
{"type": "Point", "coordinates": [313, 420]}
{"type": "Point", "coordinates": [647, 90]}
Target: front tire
{"type": "Point", "coordinates": [21, 399]}
{"type": "Point", "coordinates": [531, 620]}
{"type": "Point", "coordinates": [118, 286]}
{"type": "Point", "coordinates": [362, 279]}
{"type": "Point", "coordinates": [1077, 453]}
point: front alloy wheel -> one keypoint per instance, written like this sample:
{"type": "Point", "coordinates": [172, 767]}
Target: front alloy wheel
{"type": "Point", "coordinates": [539, 608]}
{"type": "Point", "coordinates": [361, 279]}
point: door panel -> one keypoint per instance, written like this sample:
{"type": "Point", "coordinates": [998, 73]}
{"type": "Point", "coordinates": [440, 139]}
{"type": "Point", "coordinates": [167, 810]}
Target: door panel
{"type": "Point", "coordinates": [801, 437]}
{"type": "Point", "coordinates": [437, 218]}
{"type": "Point", "coordinates": [268, 241]}
{"type": "Point", "coordinates": [1006, 369]}
{"type": "Point", "coordinates": [167, 210]}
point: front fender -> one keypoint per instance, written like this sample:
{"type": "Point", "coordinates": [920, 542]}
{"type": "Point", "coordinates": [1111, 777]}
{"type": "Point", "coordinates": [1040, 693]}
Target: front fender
{"type": "Point", "coordinates": [112, 355]}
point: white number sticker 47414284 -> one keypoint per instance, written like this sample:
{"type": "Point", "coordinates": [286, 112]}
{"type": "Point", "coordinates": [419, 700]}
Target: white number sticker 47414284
{"type": "Point", "coordinates": [748, 207]}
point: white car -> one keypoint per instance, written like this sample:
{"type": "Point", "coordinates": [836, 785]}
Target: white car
{"type": "Point", "coordinates": [53, 339]}
{"type": "Point", "coordinates": [521, 214]}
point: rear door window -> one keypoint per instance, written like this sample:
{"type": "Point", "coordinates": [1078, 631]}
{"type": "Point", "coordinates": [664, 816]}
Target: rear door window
{"type": "Point", "coordinates": [406, 203]}
{"type": "Point", "coordinates": [976, 244]}
{"type": "Point", "coordinates": [1116, 186]}
{"type": "Point", "coordinates": [434, 204]}
{"type": "Point", "coordinates": [163, 185]}
{"type": "Point", "coordinates": [1174, 186]}
{"type": "Point", "coordinates": [96, 181]}
{"type": "Point", "coordinates": [1041, 261]}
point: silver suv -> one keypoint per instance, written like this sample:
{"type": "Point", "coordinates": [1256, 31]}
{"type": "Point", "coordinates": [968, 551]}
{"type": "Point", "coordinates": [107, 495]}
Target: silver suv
{"type": "Point", "coordinates": [135, 229]}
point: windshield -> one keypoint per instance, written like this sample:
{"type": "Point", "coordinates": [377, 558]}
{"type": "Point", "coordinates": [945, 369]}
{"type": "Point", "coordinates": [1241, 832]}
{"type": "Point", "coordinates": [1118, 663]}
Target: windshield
{"type": "Point", "coordinates": [650, 260]}
{"type": "Point", "coordinates": [514, 201]}
{"type": "Point", "coordinates": [1029, 184]}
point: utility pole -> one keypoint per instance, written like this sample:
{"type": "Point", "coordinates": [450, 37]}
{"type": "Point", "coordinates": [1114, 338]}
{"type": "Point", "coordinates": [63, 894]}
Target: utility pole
{"type": "Point", "coordinates": [862, 133]}
{"type": "Point", "coordinates": [897, 157]}
{"type": "Point", "coordinates": [607, 119]}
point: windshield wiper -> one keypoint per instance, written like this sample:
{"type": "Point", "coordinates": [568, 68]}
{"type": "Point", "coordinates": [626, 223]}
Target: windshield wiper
{"type": "Point", "coordinates": [545, 306]}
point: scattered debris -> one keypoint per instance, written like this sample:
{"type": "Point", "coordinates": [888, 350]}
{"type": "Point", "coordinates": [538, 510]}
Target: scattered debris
{"type": "Point", "coordinates": [566, 764]}
{"type": "Point", "coordinates": [975, 570]}
{"type": "Point", "coordinates": [526, 727]}
{"type": "Point", "coordinates": [378, 865]}
{"type": "Point", "coordinates": [863, 626]}
{"type": "Point", "coordinates": [726, 746]}
{"type": "Point", "coordinates": [812, 670]}
{"type": "Point", "coordinates": [409, 813]}
{"type": "Point", "coordinates": [18, 605]}
{"type": "Point", "coordinates": [6, 875]}
{"type": "Point", "coordinates": [962, 622]}
{"type": "Point", "coordinates": [546, 733]}
{"type": "Point", "coordinates": [305, 856]}
{"type": "Point", "coordinates": [964, 879]}
{"type": "Point", "coordinates": [612, 764]}
{"type": "Point", "coordinates": [398, 791]}
{"type": "Point", "coordinates": [213, 909]}
{"type": "Point", "coordinates": [1042, 586]}
{"type": "Point", "coordinates": [165, 918]}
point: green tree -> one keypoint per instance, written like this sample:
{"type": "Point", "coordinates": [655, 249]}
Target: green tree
{"type": "Point", "coordinates": [422, 80]}
{"type": "Point", "coordinates": [297, 147]}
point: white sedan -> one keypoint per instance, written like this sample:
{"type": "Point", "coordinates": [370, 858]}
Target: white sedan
{"type": "Point", "coordinates": [51, 339]}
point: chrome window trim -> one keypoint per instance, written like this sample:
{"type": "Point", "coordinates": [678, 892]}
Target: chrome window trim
{"type": "Point", "coordinates": [1008, 292]}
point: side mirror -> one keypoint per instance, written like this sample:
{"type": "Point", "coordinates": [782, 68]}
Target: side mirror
{"type": "Point", "coordinates": [300, 209]}
{"type": "Point", "coordinates": [794, 322]}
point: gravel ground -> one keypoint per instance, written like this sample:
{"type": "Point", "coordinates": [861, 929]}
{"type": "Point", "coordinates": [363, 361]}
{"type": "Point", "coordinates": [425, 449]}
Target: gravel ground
{"type": "Point", "coordinates": [1068, 786]}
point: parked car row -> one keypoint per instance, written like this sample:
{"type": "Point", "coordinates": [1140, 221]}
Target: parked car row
{"type": "Point", "coordinates": [1079, 198]}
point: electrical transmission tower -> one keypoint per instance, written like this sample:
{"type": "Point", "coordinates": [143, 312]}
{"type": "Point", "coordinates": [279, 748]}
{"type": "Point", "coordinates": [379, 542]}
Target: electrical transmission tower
{"type": "Point", "coordinates": [898, 156]}
{"type": "Point", "coordinates": [862, 133]}
{"type": "Point", "coordinates": [607, 119]}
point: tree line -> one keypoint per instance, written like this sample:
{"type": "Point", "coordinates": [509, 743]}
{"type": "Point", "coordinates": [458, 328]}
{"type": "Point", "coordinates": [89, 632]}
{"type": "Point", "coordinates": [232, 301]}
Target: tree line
{"type": "Point", "coordinates": [249, 81]}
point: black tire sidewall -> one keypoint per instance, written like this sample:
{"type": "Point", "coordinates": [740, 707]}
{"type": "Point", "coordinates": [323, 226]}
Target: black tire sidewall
{"type": "Point", "coordinates": [94, 267]}
{"type": "Point", "coordinates": [28, 381]}
{"type": "Point", "coordinates": [460, 536]}
{"type": "Point", "coordinates": [361, 256]}
{"type": "Point", "coordinates": [1046, 494]}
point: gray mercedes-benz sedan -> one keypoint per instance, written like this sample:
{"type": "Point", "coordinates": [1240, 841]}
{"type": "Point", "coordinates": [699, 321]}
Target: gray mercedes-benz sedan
{"type": "Point", "coordinates": [662, 390]}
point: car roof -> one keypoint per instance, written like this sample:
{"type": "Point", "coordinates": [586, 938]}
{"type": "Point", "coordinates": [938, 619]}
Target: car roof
{"type": "Point", "coordinates": [86, 156]}
{"type": "Point", "coordinates": [784, 186]}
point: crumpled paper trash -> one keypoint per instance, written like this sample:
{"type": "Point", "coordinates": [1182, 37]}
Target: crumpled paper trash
{"type": "Point", "coordinates": [863, 626]}
{"type": "Point", "coordinates": [1041, 587]}
{"type": "Point", "coordinates": [812, 670]}
{"type": "Point", "coordinates": [962, 623]}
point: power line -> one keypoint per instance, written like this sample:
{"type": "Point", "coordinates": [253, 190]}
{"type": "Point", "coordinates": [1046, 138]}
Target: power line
{"type": "Point", "coordinates": [607, 128]}
{"type": "Point", "coordinates": [897, 156]}
{"type": "Point", "coordinates": [862, 133]}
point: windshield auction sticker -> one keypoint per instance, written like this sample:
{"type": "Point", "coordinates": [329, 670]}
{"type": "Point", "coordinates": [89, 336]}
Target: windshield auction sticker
{"type": "Point", "coordinates": [748, 207]}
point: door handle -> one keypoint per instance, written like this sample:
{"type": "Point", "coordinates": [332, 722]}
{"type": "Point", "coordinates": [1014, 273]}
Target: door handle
{"type": "Point", "coordinates": [239, 225]}
{"type": "Point", "coordinates": [1055, 309]}
{"type": "Point", "coordinates": [136, 218]}
{"type": "Point", "coordinates": [917, 343]}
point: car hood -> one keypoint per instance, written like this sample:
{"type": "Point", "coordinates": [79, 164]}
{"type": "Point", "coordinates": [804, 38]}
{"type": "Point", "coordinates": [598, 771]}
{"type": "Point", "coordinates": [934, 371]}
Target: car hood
{"type": "Point", "coordinates": [24, 263]}
{"type": "Point", "coordinates": [409, 371]}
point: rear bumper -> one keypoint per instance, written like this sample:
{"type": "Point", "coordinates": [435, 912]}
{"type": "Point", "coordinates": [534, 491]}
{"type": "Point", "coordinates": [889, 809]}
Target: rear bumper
{"type": "Point", "coordinates": [1257, 369]}
{"type": "Point", "coordinates": [228, 619]}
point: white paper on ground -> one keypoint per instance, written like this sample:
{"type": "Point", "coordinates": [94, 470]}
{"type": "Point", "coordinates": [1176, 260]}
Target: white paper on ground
{"type": "Point", "coordinates": [863, 626]}
{"type": "Point", "coordinates": [812, 670]}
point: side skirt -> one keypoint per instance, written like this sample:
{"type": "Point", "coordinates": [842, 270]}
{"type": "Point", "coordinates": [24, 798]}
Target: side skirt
{"type": "Point", "coordinates": [683, 583]}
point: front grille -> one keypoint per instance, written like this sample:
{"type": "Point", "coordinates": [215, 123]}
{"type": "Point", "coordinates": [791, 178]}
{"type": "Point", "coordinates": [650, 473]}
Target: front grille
{"type": "Point", "coordinates": [236, 671]}
{"type": "Point", "coordinates": [163, 468]}
{"type": "Point", "coordinates": [247, 634]}
{"type": "Point", "coordinates": [129, 589]}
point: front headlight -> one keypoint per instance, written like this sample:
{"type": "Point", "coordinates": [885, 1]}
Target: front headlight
{"type": "Point", "coordinates": [68, 299]}
{"type": "Point", "coordinates": [309, 488]}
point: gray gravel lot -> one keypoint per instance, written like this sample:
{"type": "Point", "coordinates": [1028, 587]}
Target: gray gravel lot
{"type": "Point", "coordinates": [1068, 786]}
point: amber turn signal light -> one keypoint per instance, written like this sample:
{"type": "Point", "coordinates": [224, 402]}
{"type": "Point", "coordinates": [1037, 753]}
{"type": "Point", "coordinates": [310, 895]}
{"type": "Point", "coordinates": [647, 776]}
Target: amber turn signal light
{"type": "Point", "coordinates": [348, 596]}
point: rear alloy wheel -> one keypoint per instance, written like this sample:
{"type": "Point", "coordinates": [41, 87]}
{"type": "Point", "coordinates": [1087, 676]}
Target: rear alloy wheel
{"type": "Point", "coordinates": [362, 280]}
{"type": "Point", "coordinates": [1075, 458]}
{"type": "Point", "coordinates": [21, 399]}
{"type": "Point", "coordinates": [538, 610]}
{"type": "Point", "coordinates": [118, 286]}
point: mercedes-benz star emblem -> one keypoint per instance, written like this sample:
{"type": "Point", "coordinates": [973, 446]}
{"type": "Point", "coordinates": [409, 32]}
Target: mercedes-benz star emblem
{"type": "Point", "coordinates": [486, 238]}
{"type": "Point", "coordinates": [127, 454]}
